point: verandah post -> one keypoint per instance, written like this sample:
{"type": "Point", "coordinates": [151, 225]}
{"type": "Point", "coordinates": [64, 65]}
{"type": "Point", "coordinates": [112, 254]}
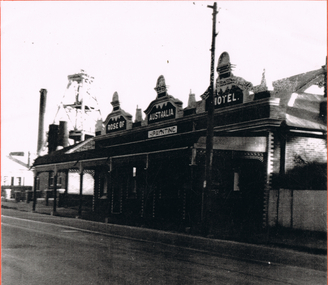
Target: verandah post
{"type": "Point", "coordinates": [81, 190]}
{"type": "Point", "coordinates": [55, 191]}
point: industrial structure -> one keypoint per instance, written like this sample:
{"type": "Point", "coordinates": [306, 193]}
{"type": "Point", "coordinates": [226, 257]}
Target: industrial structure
{"type": "Point", "coordinates": [77, 113]}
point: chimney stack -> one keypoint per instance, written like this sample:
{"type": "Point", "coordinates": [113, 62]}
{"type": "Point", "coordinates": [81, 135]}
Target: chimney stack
{"type": "Point", "coordinates": [138, 115]}
{"type": "Point", "coordinates": [99, 127]}
{"type": "Point", "coordinates": [43, 100]}
{"type": "Point", "coordinates": [191, 100]}
{"type": "Point", "coordinates": [52, 138]}
{"type": "Point", "coordinates": [62, 134]}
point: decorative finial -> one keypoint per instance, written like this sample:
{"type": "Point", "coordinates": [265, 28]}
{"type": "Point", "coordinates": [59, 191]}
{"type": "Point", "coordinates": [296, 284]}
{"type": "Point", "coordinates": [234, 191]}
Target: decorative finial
{"type": "Point", "coordinates": [263, 81]}
{"type": "Point", "coordinates": [115, 102]}
{"type": "Point", "coordinates": [263, 86]}
{"type": "Point", "coordinates": [161, 87]}
{"type": "Point", "coordinates": [224, 67]}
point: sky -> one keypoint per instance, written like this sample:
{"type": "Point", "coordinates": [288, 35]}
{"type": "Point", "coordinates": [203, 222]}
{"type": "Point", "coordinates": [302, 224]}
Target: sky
{"type": "Point", "coordinates": [127, 45]}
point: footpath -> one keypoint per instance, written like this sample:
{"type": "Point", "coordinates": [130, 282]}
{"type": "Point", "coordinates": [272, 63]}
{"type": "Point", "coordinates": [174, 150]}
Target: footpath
{"type": "Point", "coordinates": [287, 247]}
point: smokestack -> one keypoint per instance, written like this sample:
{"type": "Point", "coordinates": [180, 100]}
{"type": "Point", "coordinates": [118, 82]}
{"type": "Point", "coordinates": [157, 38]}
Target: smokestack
{"type": "Point", "coordinates": [43, 100]}
{"type": "Point", "coordinates": [52, 138]}
{"type": "Point", "coordinates": [63, 134]}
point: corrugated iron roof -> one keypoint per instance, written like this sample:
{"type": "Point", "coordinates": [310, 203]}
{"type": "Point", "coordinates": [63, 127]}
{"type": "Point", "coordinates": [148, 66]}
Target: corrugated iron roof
{"type": "Point", "coordinates": [304, 112]}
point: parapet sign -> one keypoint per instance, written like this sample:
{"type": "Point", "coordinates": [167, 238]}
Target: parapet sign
{"type": "Point", "coordinates": [161, 112]}
{"type": "Point", "coordinates": [116, 123]}
{"type": "Point", "coordinates": [164, 107]}
{"type": "Point", "coordinates": [232, 95]}
{"type": "Point", "coordinates": [230, 90]}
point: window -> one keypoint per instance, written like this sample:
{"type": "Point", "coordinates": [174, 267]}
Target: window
{"type": "Point", "coordinates": [132, 183]}
{"type": "Point", "coordinates": [59, 179]}
{"type": "Point", "coordinates": [38, 183]}
{"type": "Point", "coordinates": [5, 180]}
{"type": "Point", "coordinates": [18, 181]}
{"type": "Point", "coordinates": [103, 185]}
{"type": "Point", "coordinates": [73, 186]}
{"type": "Point", "coordinates": [74, 177]}
{"type": "Point", "coordinates": [51, 179]}
{"type": "Point", "coordinates": [236, 181]}
{"type": "Point", "coordinates": [88, 183]}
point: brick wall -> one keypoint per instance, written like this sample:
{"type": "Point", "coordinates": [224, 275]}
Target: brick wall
{"type": "Point", "coordinates": [305, 148]}
{"type": "Point", "coordinates": [43, 181]}
{"type": "Point", "coordinates": [306, 164]}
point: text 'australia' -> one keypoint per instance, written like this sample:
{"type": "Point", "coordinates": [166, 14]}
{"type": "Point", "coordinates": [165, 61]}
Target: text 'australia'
{"type": "Point", "coordinates": [161, 115]}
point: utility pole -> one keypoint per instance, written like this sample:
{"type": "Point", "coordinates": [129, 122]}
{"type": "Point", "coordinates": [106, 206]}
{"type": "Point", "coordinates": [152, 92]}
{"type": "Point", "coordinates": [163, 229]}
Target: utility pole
{"type": "Point", "coordinates": [206, 204]}
{"type": "Point", "coordinates": [325, 82]}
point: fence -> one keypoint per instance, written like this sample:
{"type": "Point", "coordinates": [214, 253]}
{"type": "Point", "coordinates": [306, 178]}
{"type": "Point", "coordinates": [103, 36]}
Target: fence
{"type": "Point", "coordinates": [15, 192]}
{"type": "Point", "coordinates": [298, 209]}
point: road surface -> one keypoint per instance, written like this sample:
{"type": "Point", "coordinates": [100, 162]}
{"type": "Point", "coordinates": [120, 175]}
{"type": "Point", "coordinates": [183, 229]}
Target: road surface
{"type": "Point", "coordinates": [40, 252]}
